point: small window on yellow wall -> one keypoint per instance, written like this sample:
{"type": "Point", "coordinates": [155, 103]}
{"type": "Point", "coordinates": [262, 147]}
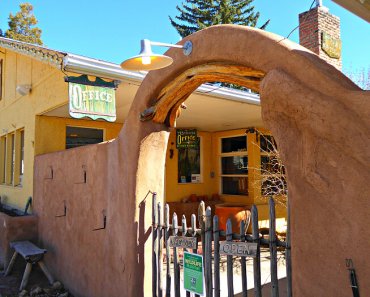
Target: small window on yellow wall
{"type": "Point", "coordinates": [234, 165]}
{"type": "Point", "coordinates": [189, 164]}
{"type": "Point", "coordinates": [21, 155]}
{"type": "Point", "coordinates": [2, 159]}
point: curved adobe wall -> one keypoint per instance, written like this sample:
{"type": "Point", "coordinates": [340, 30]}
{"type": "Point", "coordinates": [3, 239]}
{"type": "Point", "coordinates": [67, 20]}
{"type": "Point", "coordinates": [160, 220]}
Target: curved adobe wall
{"type": "Point", "coordinates": [319, 119]}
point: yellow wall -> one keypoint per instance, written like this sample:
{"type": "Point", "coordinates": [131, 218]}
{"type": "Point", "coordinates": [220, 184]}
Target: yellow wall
{"type": "Point", "coordinates": [211, 162]}
{"type": "Point", "coordinates": [51, 132]}
{"type": "Point", "coordinates": [177, 191]}
{"type": "Point", "coordinates": [42, 134]}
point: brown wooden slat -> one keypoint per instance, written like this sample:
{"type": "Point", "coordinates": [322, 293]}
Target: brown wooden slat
{"type": "Point", "coordinates": [194, 234]}
{"type": "Point", "coordinates": [160, 250]}
{"type": "Point", "coordinates": [154, 245]}
{"type": "Point", "coordinates": [184, 230]}
{"type": "Point", "coordinates": [208, 252]}
{"type": "Point", "coordinates": [257, 259]}
{"type": "Point", "coordinates": [273, 250]}
{"type": "Point", "coordinates": [230, 280]}
{"type": "Point", "coordinates": [243, 262]}
{"type": "Point", "coordinates": [176, 266]}
{"type": "Point", "coordinates": [168, 258]}
{"type": "Point", "coordinates": [216, 243]}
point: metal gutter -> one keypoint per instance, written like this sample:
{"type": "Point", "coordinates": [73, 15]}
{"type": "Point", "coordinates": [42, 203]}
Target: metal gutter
{"type": "Point", "coordinates": [84, 65]}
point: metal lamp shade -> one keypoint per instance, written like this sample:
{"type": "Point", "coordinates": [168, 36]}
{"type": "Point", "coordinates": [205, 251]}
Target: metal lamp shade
{"type": "Point", "coordinates": [146, 60]}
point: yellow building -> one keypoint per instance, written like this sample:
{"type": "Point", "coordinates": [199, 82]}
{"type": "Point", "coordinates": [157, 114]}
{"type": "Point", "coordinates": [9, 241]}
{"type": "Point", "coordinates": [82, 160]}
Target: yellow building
{"type": "Point", "coordinates": [35, 119]}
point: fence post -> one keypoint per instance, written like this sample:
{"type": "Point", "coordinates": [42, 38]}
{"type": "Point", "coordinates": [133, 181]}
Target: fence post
{"type": "Point", "coordinates": [194, 234]}
{"type": "Point", "coordinates": [257, 259]}
{"type": "Point", "coordinates": [176, 266]}
{"type": "Point", "coordinates": [208, 252]}
{"type": "Point", "coordinates": [230, 282]}
{"type": "Point", "coordinates": [154, 245]}
{"type": "Point", "coordinates": [202, 218]}
{"type": "Point", "coordinates": [216, 240]}
{"type": "Point", "coordinates": [243, 262]}
{"type": "Point", "coordinates": [288, 257]}
{"type": "Point", "coordinates": [168, 256]}
{"type": "Point", "coordinates": [184, 230]}
{"type": "Point", "coordinates": [273, 251]}
{"type": "Point", "coordinates": [160, 250]}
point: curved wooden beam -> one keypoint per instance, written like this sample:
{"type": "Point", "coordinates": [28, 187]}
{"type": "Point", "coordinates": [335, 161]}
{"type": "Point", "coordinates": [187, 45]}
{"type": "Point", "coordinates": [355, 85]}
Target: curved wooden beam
{"type": "Point", "coordinates": [176, 92]}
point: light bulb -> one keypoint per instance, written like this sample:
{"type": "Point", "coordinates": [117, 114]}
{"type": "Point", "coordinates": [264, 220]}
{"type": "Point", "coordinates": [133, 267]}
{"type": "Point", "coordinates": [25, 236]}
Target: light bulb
{"type": "Point", "coordinates": [146, 60]}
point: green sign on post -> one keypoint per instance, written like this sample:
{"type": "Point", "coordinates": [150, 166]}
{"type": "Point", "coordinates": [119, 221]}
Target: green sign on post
{"type": "Point", "coordinates": [193, 273]}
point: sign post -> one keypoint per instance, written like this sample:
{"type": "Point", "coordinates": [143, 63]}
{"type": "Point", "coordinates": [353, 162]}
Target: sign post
{"type": "Point", "coordinates": [193, 273]}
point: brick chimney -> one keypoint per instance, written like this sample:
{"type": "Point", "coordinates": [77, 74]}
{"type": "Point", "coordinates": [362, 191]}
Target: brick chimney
{"type": "Point", "coordinates": [319, 31]}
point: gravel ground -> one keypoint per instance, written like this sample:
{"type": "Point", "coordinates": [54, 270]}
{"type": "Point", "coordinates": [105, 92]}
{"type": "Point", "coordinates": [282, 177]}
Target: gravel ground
{"type": "Point", "coordinates": [38, 285]}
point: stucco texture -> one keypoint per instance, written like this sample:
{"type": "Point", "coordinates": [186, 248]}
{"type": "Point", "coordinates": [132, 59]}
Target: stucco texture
{"type": "Point", "coordinates": [319, 118]}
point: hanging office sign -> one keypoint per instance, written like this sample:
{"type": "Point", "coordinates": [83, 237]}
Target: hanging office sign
{"type": "Point", "coordinates": [187, 138]}
{"type": "Point", "coordinates": [95, 100]}
{"type": "Point", "coordinates": [193, 273]}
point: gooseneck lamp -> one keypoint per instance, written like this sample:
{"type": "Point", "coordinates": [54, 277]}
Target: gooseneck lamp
{"type": "Point", "coordinates": [146, 60]}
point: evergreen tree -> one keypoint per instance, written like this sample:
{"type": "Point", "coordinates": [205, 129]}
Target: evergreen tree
{"type": "Point", "coordinates": [21, 25]}
{"type": "Point", "coordinates": [199, 14]}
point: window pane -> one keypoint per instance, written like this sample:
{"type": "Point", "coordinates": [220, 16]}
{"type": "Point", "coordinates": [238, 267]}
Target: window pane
{"type": "Point", "coordinates": [3, 160]}
{"type": "Point", "coordinates": [235, 185]}
{"type": "Point", "coordinates": [274, 185]}
{"type": "Point", "coordinates": [77, 136]}
{"type": "Point", "coordinates": [189, 165]}
{"type": "Point", "coordinates": [235, 165]}
{"type": "Point", "coordinates": [270, 164]}
{"type": "Point", "coordinates": [12, 161]}
{"type": "Point", "coordinates": [234, 144]}
{"type": "Point", "coordinates": [21, 163]}
{"type": "Point", "coordinates": [267, 143]}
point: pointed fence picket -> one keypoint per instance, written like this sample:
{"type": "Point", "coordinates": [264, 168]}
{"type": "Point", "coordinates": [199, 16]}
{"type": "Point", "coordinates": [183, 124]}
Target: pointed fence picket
{"type": "Point", "coordinates": [168, 235]}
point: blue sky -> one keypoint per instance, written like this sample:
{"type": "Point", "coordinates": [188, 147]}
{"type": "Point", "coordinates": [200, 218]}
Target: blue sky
{"type": "Point", "coordinates": [111, 30]}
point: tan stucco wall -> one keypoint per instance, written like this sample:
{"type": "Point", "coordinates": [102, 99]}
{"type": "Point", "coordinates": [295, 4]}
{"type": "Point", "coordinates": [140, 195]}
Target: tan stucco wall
{"type": "Point", "coordinates": [308, 105]}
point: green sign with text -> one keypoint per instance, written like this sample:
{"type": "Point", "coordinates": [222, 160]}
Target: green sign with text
{"type": "Point", "coordinates": [187, 138]}
{"type": "Point", "coordinates": [95, 102]}
{"type": "Point", "coordinates": [193, 273]}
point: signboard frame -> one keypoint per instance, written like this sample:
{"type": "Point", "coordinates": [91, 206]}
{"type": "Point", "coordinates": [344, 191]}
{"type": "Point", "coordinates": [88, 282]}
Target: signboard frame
{"type": "Point", "coordinates": [193, 272]}
{"type": "Point", "coordinates": [92, 99]}
{"type": "Point", "coordinates": [187, 138]}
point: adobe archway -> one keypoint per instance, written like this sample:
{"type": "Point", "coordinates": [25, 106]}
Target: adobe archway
{"type": "Point", "coordinates": [320, 120]}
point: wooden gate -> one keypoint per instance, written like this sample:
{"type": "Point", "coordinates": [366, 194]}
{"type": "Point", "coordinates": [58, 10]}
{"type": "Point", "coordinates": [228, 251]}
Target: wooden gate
{"type": "Point", "coordinates": [170, 239]}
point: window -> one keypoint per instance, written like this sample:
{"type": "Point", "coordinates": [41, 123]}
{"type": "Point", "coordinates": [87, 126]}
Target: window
{"type": "Point", "coordinates": [234, 165]}
{"type": "Point", "coordinates": [189, 164]}
{"type": "Point", "coordinates": [78, 136]}
{"type": "Point", "coordinates": [3, 159]}
{"type": "Point", "coordinates": [21, 158]}
{"type": "Point", "coordinates": [272, 168]}
{"type": "Point", "coordinates": [12, 158]}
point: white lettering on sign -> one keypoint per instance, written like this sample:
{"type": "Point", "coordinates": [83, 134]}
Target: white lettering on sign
{"type": "Point", "coordinates": [241, 249]}
{"type": "Point", "coordinates": [81, 98]}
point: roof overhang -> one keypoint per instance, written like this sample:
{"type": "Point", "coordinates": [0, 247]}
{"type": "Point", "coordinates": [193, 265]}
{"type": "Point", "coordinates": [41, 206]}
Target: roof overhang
{"type": "Point", "coordinates": [360, 8]}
